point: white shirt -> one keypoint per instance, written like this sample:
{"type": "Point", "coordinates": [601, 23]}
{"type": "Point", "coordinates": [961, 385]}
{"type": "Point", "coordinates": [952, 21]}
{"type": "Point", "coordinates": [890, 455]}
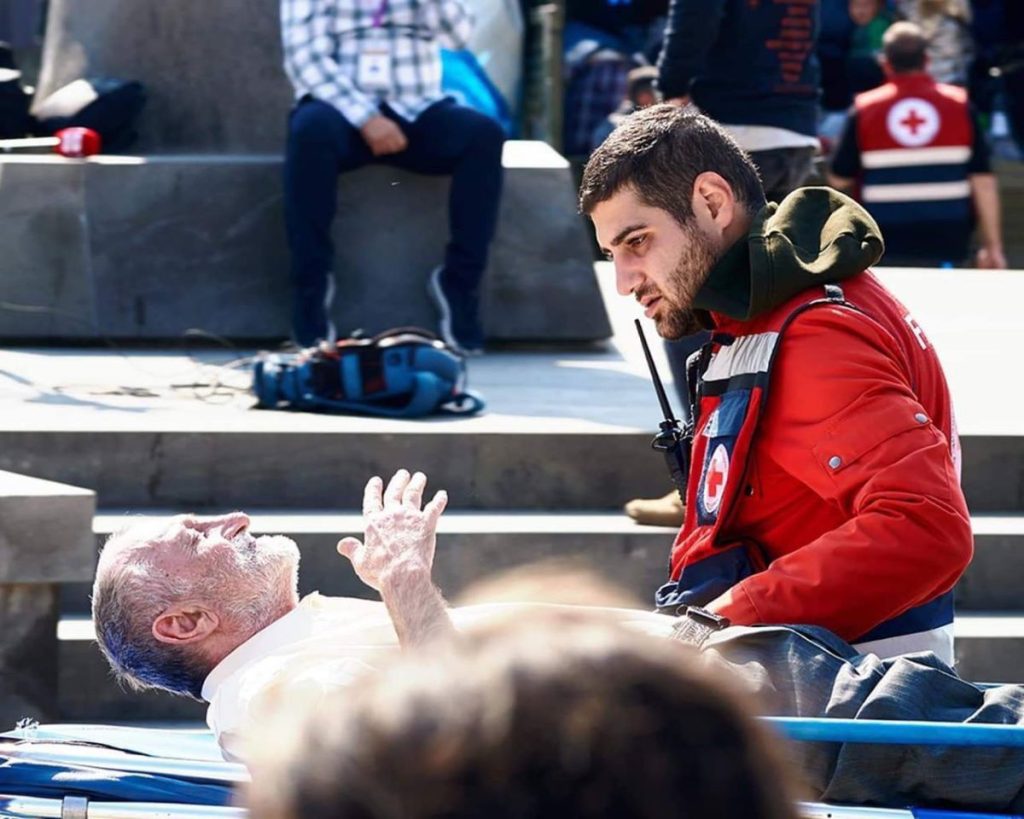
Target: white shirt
{"type": "Point", "coordinates": [325, 644]}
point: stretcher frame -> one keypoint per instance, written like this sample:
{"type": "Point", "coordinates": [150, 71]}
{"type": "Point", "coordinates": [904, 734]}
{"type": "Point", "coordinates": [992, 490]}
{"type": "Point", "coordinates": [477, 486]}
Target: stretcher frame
{"type": "Point", "coordinates": [800, 729]}
{"type": "Point", "coordinates": [896, 732]}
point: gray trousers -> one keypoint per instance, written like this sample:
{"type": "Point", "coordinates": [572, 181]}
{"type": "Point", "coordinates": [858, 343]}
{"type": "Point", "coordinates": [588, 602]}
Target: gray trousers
{"type": "Point", "coordinates": [808, 672]}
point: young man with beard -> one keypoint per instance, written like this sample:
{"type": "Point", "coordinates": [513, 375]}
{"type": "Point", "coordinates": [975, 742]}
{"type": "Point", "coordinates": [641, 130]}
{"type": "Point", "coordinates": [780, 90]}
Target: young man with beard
{"type": "Point", "coordinates": [824, 486]}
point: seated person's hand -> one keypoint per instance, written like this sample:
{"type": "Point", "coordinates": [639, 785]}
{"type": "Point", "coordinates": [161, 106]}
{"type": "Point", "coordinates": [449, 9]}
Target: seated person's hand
{"type": "Point", "coordinates": [990, 258]}
{"type": "Point", "coordinates": [400, 536]}
{"type": "Point", "coordinates": [384, 136]}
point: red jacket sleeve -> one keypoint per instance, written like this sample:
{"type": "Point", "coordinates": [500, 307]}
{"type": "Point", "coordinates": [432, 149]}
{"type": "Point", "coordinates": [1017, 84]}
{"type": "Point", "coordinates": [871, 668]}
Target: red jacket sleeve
{"type": "Point", "coordinates": [843, 419]}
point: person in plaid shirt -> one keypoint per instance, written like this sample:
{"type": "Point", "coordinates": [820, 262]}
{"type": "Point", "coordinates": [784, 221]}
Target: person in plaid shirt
{"type": "Point", "coordinates": [367, 78]}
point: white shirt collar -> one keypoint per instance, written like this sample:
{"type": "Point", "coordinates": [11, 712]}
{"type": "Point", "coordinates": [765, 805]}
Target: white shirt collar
{"type": "Point", "coordinates": [295, 625]}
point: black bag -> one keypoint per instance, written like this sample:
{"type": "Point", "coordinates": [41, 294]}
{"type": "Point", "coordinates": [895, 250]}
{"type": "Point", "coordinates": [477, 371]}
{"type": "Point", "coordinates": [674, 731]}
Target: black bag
{"type": "Point", "coordinates": [15, 121]}
{"type": "Point", "coordinates": [109, 107]}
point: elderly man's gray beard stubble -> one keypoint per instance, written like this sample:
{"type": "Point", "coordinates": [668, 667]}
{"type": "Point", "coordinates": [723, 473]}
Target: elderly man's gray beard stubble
{"type": "Point", "coordinates": [677, 321]}
{"type": "Point", "coordinates": [264, 581]}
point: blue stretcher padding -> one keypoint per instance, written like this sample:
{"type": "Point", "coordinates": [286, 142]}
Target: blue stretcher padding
{"type": "Point", "coordinates": [820, 810]}
{"type": "Point", "coordinates": [893, 732]}
{"type": "Point", "coordinates": [198, 745]}
{"type": "Point", "coordinates": [103, 763]}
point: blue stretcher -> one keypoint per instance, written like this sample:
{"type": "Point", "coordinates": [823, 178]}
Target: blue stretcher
{"type": "Point", "coordinates": [107, 772]}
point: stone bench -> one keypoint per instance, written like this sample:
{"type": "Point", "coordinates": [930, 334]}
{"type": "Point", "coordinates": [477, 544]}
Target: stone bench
{"type": "Point", "coordinates": [46, 539]}
{"type": "Point", "coordinates": [151, 247]}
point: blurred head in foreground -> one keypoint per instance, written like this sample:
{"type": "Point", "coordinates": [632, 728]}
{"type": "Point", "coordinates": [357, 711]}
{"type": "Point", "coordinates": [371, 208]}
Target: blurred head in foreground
{"type": "Point", "coordinates": [554, 714]}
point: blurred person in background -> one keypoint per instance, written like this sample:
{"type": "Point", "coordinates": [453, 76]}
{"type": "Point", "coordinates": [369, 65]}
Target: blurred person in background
{"type": "Point", "coordinates": [367, 78]}
{"type": "Point", "coordinates": [915, 153]}
{"type": "Point", "coordinates": [833, 46]}
{"type": "Point", "coordinates": [946, 25]}
{"type": "Point", "coordinates": [604, 40]}
{"type": "Point", "coordinates": [640, 93]}
{"type": "Point", "coordinates": [863, 60]}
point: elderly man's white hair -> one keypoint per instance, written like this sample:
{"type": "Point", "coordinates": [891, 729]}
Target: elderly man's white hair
{"type": "Point", "coordinates": [129, 594]}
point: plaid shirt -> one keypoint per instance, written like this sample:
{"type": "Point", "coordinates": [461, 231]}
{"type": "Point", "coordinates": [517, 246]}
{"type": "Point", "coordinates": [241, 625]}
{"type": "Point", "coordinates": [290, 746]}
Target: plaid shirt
{"type": "Point", "coordinates": [323, 40]}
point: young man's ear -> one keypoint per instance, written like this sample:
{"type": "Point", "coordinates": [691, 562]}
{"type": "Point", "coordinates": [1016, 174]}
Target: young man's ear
{"type": "Point", "coordinates": [185, 623]}
{"type": "Point", "coordinates": [714, 203]}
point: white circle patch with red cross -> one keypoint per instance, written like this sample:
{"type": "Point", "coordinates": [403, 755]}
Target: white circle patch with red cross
{"type": "Point", "coordinates": [715, 479]}
{"type": "Point", "coordinates": [913, 122]}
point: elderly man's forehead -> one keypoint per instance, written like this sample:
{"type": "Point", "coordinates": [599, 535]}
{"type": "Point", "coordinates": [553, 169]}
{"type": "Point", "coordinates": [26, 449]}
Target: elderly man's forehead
{"type": "Point", "coordinates": [143, 535]}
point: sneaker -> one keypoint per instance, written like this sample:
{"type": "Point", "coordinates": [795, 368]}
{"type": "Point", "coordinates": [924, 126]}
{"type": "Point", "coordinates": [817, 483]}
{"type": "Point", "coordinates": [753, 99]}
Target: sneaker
{"type": "Point", "coordinates": [459, 324]}
{"type": "Point", "coordinates": [666, 511]}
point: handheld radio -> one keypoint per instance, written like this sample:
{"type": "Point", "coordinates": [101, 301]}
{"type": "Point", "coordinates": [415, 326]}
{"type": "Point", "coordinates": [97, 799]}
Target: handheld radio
{"type": "Point", "coordinates": [671, 441]}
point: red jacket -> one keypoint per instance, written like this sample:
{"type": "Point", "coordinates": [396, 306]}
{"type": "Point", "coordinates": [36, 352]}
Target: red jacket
{"type": "Point", "coordinates": [849, 497]}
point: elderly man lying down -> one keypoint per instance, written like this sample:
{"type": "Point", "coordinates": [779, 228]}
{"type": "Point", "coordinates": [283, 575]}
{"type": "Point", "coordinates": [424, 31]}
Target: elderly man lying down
{"type": "Point", "coordinates": [200, 607]}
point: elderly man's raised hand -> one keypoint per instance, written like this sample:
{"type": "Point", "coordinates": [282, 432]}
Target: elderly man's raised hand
{"type": "Point", "coordinates": [400, 535]}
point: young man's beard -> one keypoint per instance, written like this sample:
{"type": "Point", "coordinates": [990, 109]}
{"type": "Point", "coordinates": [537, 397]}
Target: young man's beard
{"type": "Point", "coordinates": [690, 275]}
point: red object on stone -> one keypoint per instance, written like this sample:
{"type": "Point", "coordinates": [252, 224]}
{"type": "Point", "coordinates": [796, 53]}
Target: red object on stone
{"type": "Point", "coordinates": [78, 143]}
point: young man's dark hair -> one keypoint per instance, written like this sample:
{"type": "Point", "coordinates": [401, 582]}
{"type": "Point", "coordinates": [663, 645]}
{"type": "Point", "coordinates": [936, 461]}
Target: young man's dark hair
{"type": "Point", "coordinates": [905, 48]}
{"type": "Point", "coordinates": [659, 152]}
{"type": "Point", "coordinates": [547, 716]}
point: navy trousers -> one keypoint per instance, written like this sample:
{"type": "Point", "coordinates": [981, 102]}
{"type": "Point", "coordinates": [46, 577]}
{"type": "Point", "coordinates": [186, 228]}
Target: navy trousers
{"type": "Point", "coordinates": [446, 139]}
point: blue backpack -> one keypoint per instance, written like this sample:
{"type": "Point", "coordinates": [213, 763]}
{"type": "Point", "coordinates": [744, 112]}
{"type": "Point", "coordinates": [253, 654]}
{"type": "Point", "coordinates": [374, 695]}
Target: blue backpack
{"type": "Point", "coordinates": [402, 373]}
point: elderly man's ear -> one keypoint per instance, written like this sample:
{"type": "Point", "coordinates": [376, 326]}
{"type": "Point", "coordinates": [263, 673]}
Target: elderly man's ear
{"type": "Point", "coordinates": [185, 623]}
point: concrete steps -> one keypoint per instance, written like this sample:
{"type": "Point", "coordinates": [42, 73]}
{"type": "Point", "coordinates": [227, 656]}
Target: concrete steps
{"type": "Point", "coordinates": [990, 648]}
{"type": "Point", "coordinates": [299, 461]}
{"type": "Point", "coordinates": [990, 625]}
{"type": "Point", "coordinates": [473, 544]}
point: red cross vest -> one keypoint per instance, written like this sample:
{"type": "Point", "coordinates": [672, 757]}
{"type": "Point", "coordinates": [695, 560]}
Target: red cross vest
{"type": "Point", "coordinates": [915, 138]}
{"type": "Point", "coordinates": [729, 383]}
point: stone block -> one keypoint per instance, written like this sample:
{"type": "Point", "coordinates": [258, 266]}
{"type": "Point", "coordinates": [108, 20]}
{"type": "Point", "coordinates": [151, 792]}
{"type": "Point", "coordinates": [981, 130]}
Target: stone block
{"type": "Point", "coordinates": [188, 242]}
{"type": "Point", "coordinates": [45, 288]}
{"type": "Point", "coordinates": [213, 70]}
{"type": "Point", "coordinates": [45, 531]}
{"type": "Point", "coordinates": [203, 470]}
{"type": "Point", "coordinates": [540, 283]}
{"type": "Point", "coordinates": [133, 248]}
{"type": "Point", "coordinates": [28, 653]}
{"type": "Point", "coordinates": [990, 659]}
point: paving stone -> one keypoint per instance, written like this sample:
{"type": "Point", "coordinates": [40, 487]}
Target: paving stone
{"type": "Point", "coordinates": [45, 531]}
{"type": "Point", "coordinates": [133, 248]}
